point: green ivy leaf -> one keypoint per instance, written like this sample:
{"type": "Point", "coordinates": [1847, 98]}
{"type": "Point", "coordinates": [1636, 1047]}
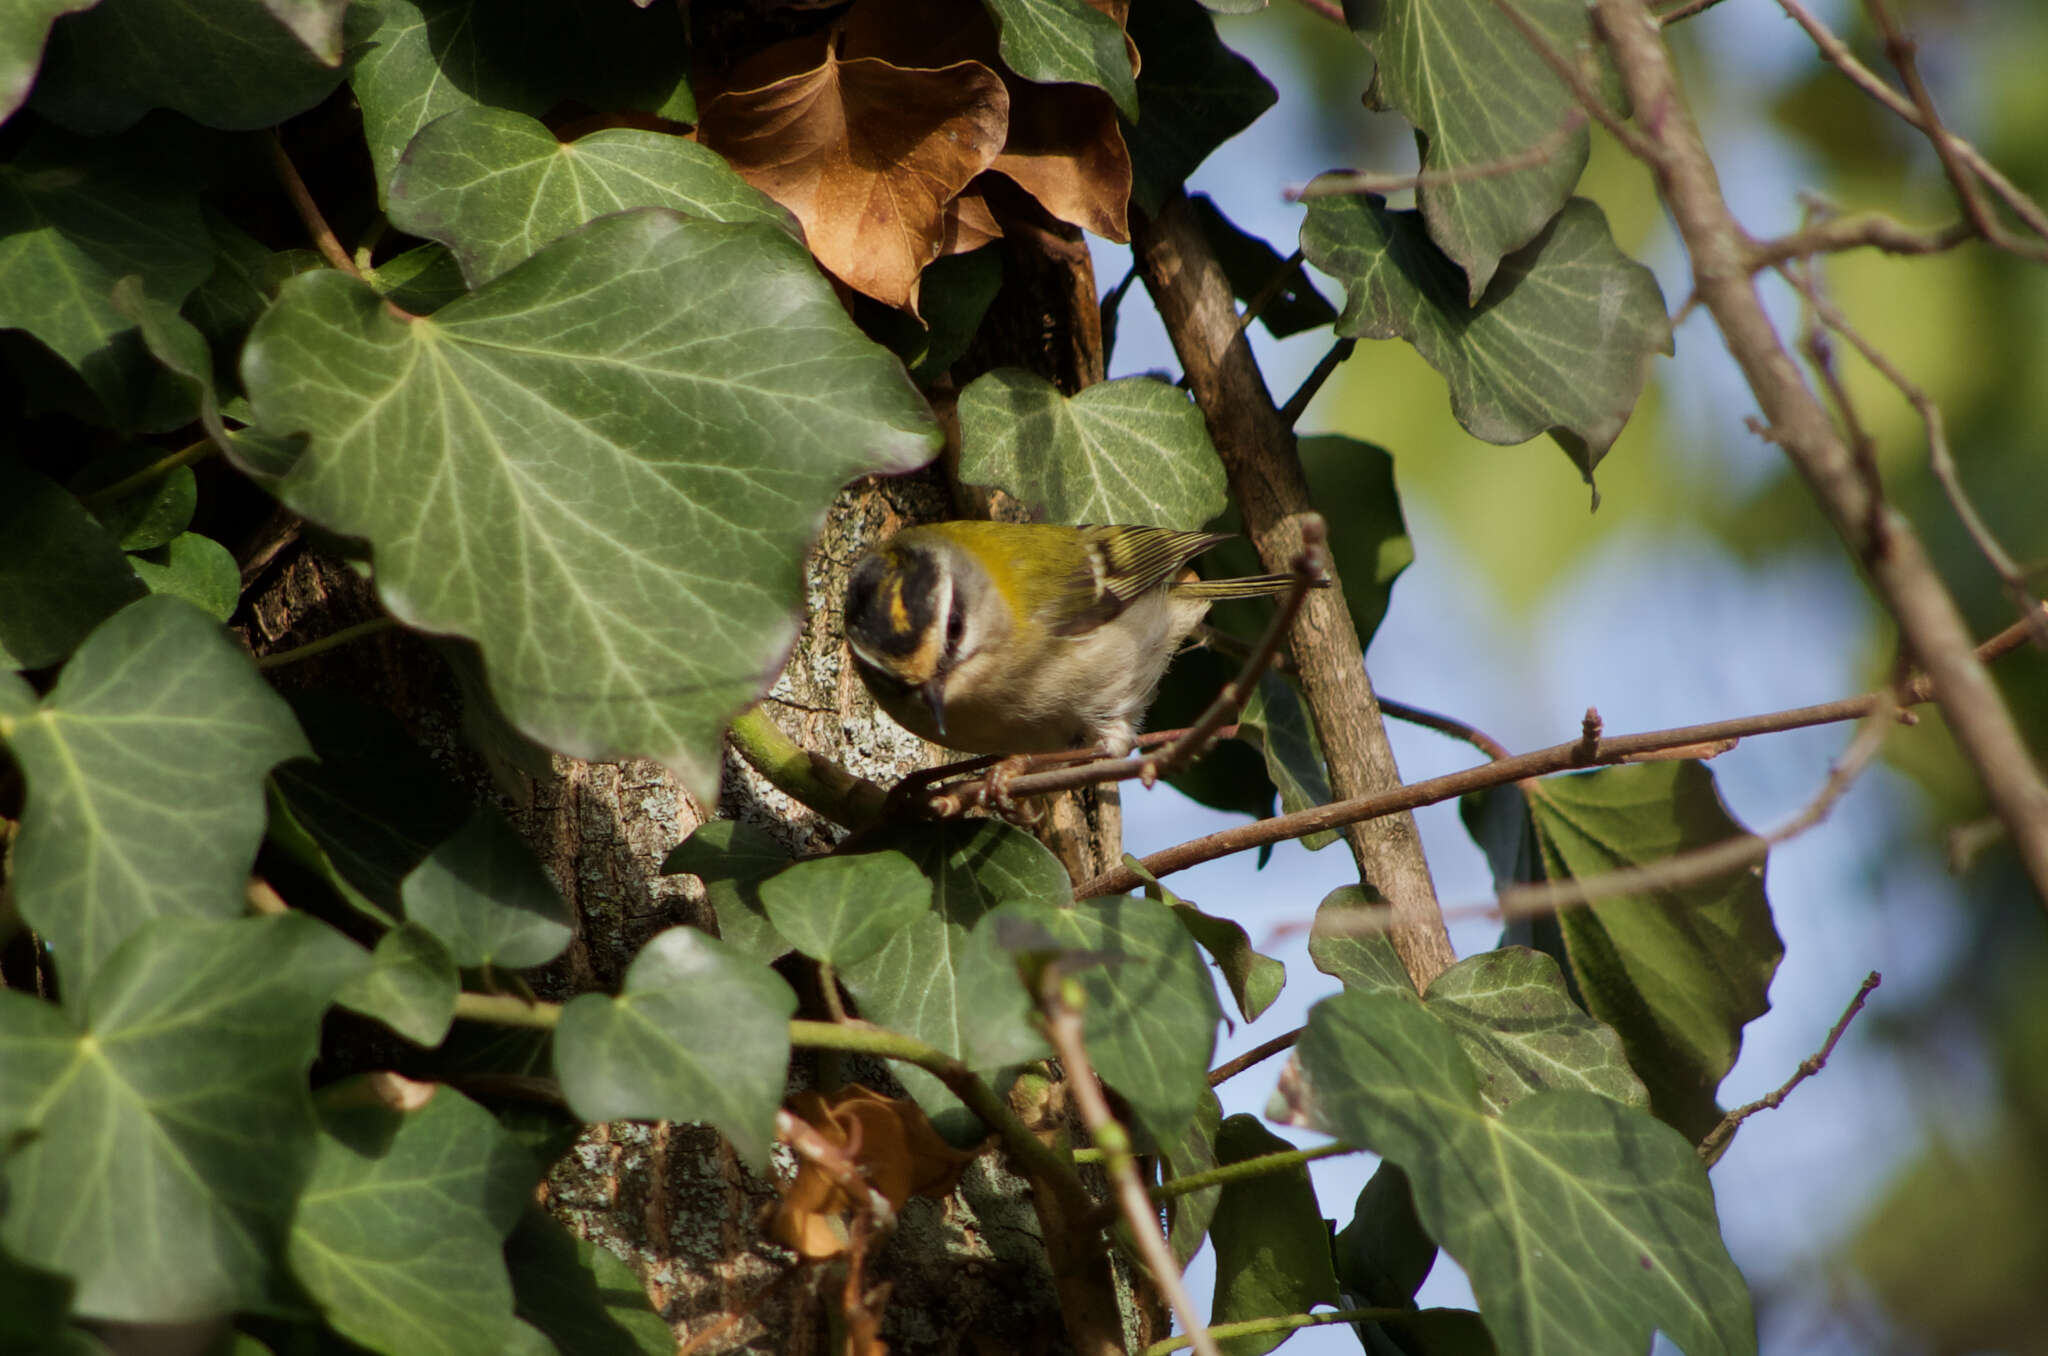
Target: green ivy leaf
{"type": "Point", "coordinates": [1058, 42]}
{"type": "Point", "coordinates": [1134, 450]}
{"type": "Point", "coordinates": [399, 1235]}
{"type": "Point", "coordinates": [1643, 1252]}
{"type": "Point", "coordinates": [587, 1301]}
{"type": "Point", "coordinates": [699, 1033]}
{"type": "Point", "coordinates": [422, 280]}
{"type": "Point", "coordinates": [61, 573]}
{"type": "Point", "coordinates": [181, 1094]}
{"type": "Point", "coordinates": [953, 293]}
{"type": "Point", "coordinates": [844, 909]}
{"type": "Point", "coordinates": [1560, 343]}
{"type": "Point", "coordinates": [1434, 58]}
{"type": "Point", "coordinates": [495, 186]}
{"type": "Point", "coordinates": [145, 782]}
{"type": "Point", "coordinates": [1383, 1256]}
{"type": "Point", "coordinates": [428, 58]}
{"type": "Point", "coordinates": [1195, 94]}
{"type": "Point", "coordinates": [316, 23]}
{"type": "Point", "coordinates": [933, 980]}
{"type": "Point", "coordinates": [1678, 973]}
{"type": "Point", "coordinates": [222, 63]}
{"type": "Point", "coordinates": [1254, 980]}
{"type": "Point", "coordinates": [195, 568]}
{"type": "Point", "coordinates": [245, 278]}
{"type": "Point", "coordinates": [484, 894]}
{"type": "Point", "coordinates": [1150, 1013]}
{"type": "Point", "coordinates": [1253, 267]}
{"type": "Point", "coordinates": [621, 426]}
{"type": "Point", "coordinates": [1188, 1215]}
{"type": "Point", "coordinates": [68, 233]}
{"type": "Point", "coordinates": [411, 985]}
{"type": "Point", "coordinates": [732, 859]}
{"type": "Point", "coordinates": [1276, 722]}
{"type": "Point", "coordinates": [145, 517]}
{"type": "Point", "coordinates": [1272, 1246]}
{"type": "Point", "coordinates": [1509, 1009]}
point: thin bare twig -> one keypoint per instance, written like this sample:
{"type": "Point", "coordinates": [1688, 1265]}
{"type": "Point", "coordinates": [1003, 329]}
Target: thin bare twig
{"type": "Point", "coordinates": [1446, 725]}
{"type": "Point", "coordinates": [1272, 289]}
{"type": "Point", "coordinates": [1224, 1072]}
{"type": "Point", "coordinates": [1837, 54]}
{"type": "Point", "coordinates": [1685, 11]}
{"type": "Point", "coordinates": [1574, 79]}
{"type": "Point", "coordinates": [1940, 459]}
{"type": "Point", "coordinates": [1556, 758]}
{"type": "Point", "coordinates": [1717, 1140]}
{"type": "Point", "coordinates": [308, 210]}
{"type": "Point", "coordinates": [1539, 152]}
{"type": "Point", "coordinates": [1873, 230]}
{"type": "Point", "coordinates": [1059, 1004]}
{"type": "Point", "coordinates": [1297, 404]}
{"type": "Point", "coordinates": [1931, 626]}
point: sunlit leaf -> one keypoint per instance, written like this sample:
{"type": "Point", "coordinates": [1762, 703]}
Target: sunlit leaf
{"type": "Point", "coordinates": [495, 186]}
{"type": "Point", "coordinates": [1066, 42]}
{"type": "Point", "coordinates": [1479, 95]}
{"type": "Point", "coordinates": [165, 1136]}
{"type": "Point", "coordinates": [1150, 1012]}
{"type": "Point", "coordinates": [844, 909]}
{"type": "Point", "coordinates": [651, 1053]}
{"type": "Point", "coordinates": [23, 29]}
{"type": "Point", "coordinates": [1133, 450]}
{"type": "Point", "coordinates": [399, 1235]}
{"type": "Point", "coordinates": [1254, 980]}
{"type": "Point", "coordinates": [931, 981]}
{"type": "Point", "coordinates": [1643, 1249]}
{"type": "Point", "coordinates": [1272, 1247]}
{"type": "Point", "coordinates": [61, 572]}
{"type": "Point", "coordinates": [484, 894]}
{"type": "Point", "coordinates": [1560, 343]}
{"type": "Point", "coordinates": [1195, 94]}
{"type": "Point", "coordinates": [1680, 972]}
{"type": "Point", "coordinates": [598, 466]}
{"type": "Point", "coordinates": [145, 773]}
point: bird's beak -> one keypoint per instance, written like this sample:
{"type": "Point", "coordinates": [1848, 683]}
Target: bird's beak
{"type": "Point", "coordinates": [934, 694]}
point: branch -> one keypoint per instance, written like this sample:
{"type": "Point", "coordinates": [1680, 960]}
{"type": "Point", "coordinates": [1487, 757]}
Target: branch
{"type": "Point", "coordinates": [1877, 535]}
{"type": "Point", "coordinates": [1717, 1140]}
{"type": "Point", "coordinates": [1873, 230]}
{"type": "Point", "coordinates": [1578, 753]}
{"type": "Point", "coordinates": [1223, 1073]}
{"type": "Point", "coordinates": [1837, 54]}
{"type": "Point", "coordinates": [1194, 301]}
{"type": "Point", "coordinates": [809, 778]}
{"type": "Point", "coordinates": [1537, 153]}
{"type": "Point", "coordinates": [1059, 1002]}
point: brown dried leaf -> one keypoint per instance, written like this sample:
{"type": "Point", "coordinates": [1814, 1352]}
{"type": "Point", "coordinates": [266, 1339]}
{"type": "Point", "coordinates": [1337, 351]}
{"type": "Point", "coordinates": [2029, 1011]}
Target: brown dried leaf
{"type": "Point", "coordinates": [1064, 147]}
{"type": "Point", "coordinates": [867, 155]}
{"type": "Point", "coordinates": [969, 223]}
{"type": "Point", "coordinates": [883, 1141]}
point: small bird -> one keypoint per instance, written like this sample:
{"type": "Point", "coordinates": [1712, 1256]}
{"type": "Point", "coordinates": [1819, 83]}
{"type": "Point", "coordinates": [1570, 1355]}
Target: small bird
{"type": "Point", "coordinates": [1029, 638]}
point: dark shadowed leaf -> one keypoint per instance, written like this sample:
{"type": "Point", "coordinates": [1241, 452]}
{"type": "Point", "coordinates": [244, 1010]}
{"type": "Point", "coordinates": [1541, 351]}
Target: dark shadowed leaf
{"type": "Point", "coordinates": [495, 186]}
{"type": "Point", "coordinates": [844, 909]}
{"type": "Point", "coordinates": [1560, 343]}
{"type": "Point", "coordinates": [699, 1033]}
{"type": "Point", "coordinates": [148, 515]}
{"type": "Point", "coordinates": [23, 30]}
{"type": "Point", "coordinates": [61, 572]}
{"type": "Point", "coordinates": [193, 567]}
{"type": "Point", "coordinates": [1643, 1251]}
{"type": "Point", "coordinates": [588, 1301]}
{"type": "Point", "coordinates": [411, 985]}
{"type": "Point", "coordinates": [627, 551]}
{"type": "Point", "coordinates": [222, 63]}
{"type": "Point", "coordinates": [145, 773]}
{"type": "Point", "coordinates": [1272, 1246]}
{"type": "Point", "coordinates": [1188, 1215]}
{"type": "Point", "coordinates": [732, 859]}
{"type": "Point", "coordinates": [1383, 1256]}
{"type": "Point", "coordinates": [484, 894]}
{"type": "Point", "coordinates": [1066, 42]}
{"type": "Point", "coordinates": [1678, 973]}
{"type": "Point", "coordinates": [399, 1236]}
{"type": "Point", "coordinates": [181, 1091]}
{"type": "Point", "coordinates": [1194, 94]}
{"type": "Point", "coordinates": [1132, 450]}
{"type": "Point", "coordinates": [1256, 270]}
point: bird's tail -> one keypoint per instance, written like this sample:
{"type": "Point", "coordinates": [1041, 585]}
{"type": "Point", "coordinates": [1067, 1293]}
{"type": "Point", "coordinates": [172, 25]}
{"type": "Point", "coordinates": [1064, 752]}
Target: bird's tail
{"type": "Point", "coordinates": [1251, 586]}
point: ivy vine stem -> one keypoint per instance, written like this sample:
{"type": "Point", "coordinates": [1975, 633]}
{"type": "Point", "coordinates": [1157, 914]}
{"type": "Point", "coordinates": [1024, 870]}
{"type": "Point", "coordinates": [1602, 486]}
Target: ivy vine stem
{"type": "Point", "coordinates": [1244, 1170]}
{"type": "Point", "coordinates": [148, 475]}
{"type": "Point", "coordinates": [1252, 1327]}
{"type": "Point", "coordinates": [346, 635]}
